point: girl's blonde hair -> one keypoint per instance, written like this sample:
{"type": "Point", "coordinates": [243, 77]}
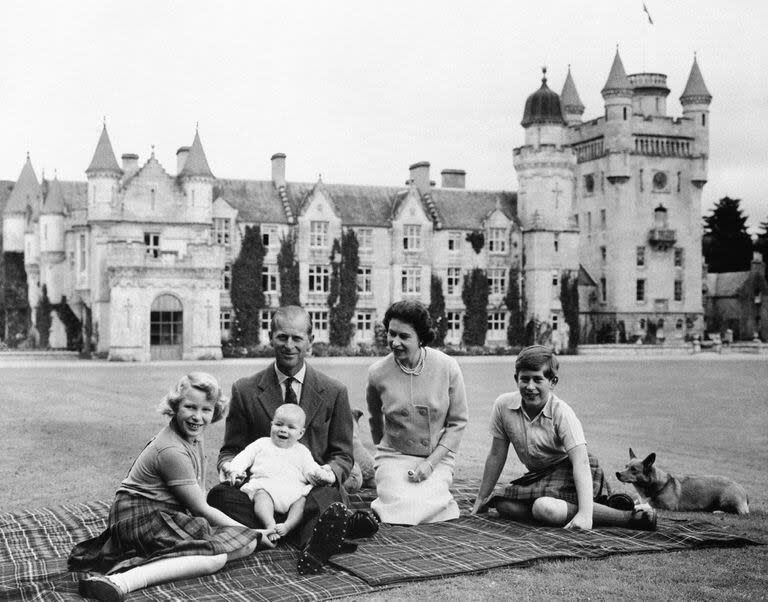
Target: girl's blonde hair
{"type": "Point", "coordinates": [202, 381]}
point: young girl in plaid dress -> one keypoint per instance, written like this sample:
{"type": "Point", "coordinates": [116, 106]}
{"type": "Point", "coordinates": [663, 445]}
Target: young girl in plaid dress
{"type": "Point", "coordinates": [160, 527]}
{"type": "Point", "coordinates": [563, 479]}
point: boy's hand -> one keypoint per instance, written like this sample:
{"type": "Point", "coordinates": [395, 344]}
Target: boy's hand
{"type": "Point", "coordinates": [580, 521]}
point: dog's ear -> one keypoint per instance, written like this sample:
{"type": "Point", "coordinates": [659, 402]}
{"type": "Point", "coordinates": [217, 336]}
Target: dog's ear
{"type": "Point", "coordinates": [632, 455]}
{"type": "Point", "coordinates": [648, 462]}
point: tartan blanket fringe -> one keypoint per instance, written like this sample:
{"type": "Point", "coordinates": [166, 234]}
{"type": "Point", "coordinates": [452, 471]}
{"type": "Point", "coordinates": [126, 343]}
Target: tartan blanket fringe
{"type": "Point", "coordinates": [34, 546]}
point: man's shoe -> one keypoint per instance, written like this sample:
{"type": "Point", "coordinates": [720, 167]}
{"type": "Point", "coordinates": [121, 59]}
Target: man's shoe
{"type": "Point", "coordinates": [620, 501]}
{"type": "Point", "coordinates": [327, 539]}
{"type": "Point", "coordinates": [362, 524]}
{"type": "Point", "coordinates": [643, 519]}
{"type": "Point", "coordinates": [100, 587]}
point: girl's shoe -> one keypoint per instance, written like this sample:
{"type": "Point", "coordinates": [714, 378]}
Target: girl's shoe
{"type": "Point", "coordinates": [100, 587]}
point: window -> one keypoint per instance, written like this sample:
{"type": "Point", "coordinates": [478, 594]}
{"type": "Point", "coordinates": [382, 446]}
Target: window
{"type": "Point", "coordinates": [269, 278]}
{"type": "Point", "coordinates": [411, 280]}
{"type": "Point", "coordinates": [603, 220]}
{"type": "Point", "coordinates": [679, 256]}
{"type": "Point", "coordinates": [453, 281]}
{"type": "Point", "coordinates": [265, 319]}
{"type": "Point", "coordinates": [225, 321]}
{"type": "Point", "coordinates": [319, 320]}
{"type": "Point", "coordinates": [589, 183]}
{"type": "Point", "coordinates": [678, 290]}
{"type": "Point", "coordinates": [679, 324]}
{"type": "Point", "coordinates": [81, 254]}
{"type": "Point", "coordinates": [364, 280]}
{"type": "Point", "coordinates": [554, 321]}
{"type": "Point", "coordinates": [454, 241]}
{"type": "Point", "coordinates": [497, 281]}
{"type": "Point", "coordinates": [152, 242]}
{"type": "Point", "coordinates": [640, 257]}
{"type": "Point", "coordinates": [222, 231]}
{"type": "Point", "coordinates": [576, 219]}
{"type": "Point", "coordinates": [411, 238]}
{"type": "Point", "coordinates": [364, 239]}
{"type": "Point", "coordinates": [497, 240]}
{"type": "Point", "coordinates": [624, 113]}
{"type": "Point", "coordinates": [589, 221]}
{"type": "Point", "coordinates": [555, 278]}
{"type": "Point", "coordinates": [556, 241]}
{"type": "Point", "coordinates": [318, 235]}
{"type": "Point", "coordinates": [603, 254]}
{"type": "Point", "coordinates": [603, 290]}
{"type": "Point", "coordinates": [226, 277]}
{"type": "Point", "coordinates": [319, 278]}
{"type": "Point", "coordinates": [270, 236]}
{"type": "Point", "coordinates": [640, 179]}
{"type": "Point", "coordinates": [640, 290]}
{"type": "Point", "coordinates": [165, 327]}
{"type": "Point", "coordinates": [364, 321]}
{"type": "Point", "coordinates": [453, 319]}
{"type": "Point", "coordinates": [497, 324]}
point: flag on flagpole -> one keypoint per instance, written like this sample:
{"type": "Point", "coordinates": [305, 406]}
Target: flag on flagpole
{"type": "Point", "coordinates": [645, 9]}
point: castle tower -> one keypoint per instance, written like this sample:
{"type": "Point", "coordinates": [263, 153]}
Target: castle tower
{"type": "Point", "coordinates": [573, 108]}
{"type": "Point", "coordinates": [544, 167]}
{"type": "Point", "coordinates": [197, 181]}
{"type": "Point", "coordinates": [22, 204]}
{"type": "Point", "coordinates": [103, 178]}
{"type": "Point", "coordinates": [695, 100]}
{"type": "Point", "coordinates": [617, 95]}
{"type": "Point", "coordinates": [51, 232]}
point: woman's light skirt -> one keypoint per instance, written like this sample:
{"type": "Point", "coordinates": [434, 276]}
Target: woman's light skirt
{"type": "Point", "coordinates": [403, 502]}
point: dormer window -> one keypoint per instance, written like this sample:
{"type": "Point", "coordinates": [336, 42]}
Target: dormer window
{"type": "Point", "coordinates": [318, 235]}
{"type": "Point", "coordinates": [222, 231]}
{"type": "Point", "coordinates": [497, 240]}
{"type": "Point", "coordinates": [411, 238]}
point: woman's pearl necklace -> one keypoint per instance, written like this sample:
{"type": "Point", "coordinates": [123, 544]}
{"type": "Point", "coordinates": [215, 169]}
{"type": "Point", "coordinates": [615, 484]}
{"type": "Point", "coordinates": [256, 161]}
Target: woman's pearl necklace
{"type": "Point", "coordinates": [416, 370]}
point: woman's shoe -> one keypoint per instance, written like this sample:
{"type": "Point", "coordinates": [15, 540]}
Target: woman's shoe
{"type": "Point", "coordinates": [100, 587]}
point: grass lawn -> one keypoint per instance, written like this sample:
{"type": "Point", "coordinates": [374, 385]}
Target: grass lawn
{"type": "Point", "coordinates": [73, 429]}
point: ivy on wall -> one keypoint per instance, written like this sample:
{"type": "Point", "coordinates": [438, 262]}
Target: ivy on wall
{"type": "Point", "coordinates": [437, 311]}
{"type": "Point", "coordinates": [569, 301]}
{"type": "Point", "coordinates": [342, 298]}
{"type": "Point", "coordinates": [475, 297]}
{"type": "Point", "coordinates": [288, 269]}
{"type": "Point", "coordinates": [72, 324]}
{"type": "Point", "coordinates": [477, 239]}
{"type": "Point", "coordinates": [43, 319]}
{"type": "Point", "coordinates": [246, 292]}
{"type": "Point", "coordinates": [15, 301]}
{"type": "Point", "coordinates": [516, 306]}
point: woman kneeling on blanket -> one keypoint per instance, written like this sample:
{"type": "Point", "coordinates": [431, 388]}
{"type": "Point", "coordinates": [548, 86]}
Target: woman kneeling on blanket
{"type": "Point", "coordinates": [160, 527]}
{"type": "Point", "coordinates": [564, 480]}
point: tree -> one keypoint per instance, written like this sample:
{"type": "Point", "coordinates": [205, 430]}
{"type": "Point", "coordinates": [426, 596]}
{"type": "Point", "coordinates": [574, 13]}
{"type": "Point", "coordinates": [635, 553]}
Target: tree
{"type": "Point", "coordinates": [246, 292]}
{"type": "Point", "coordinates": [516, 306]}
{"type": "Point", "coordinates": [43, 318]}
{"type": "Point", "coordinates": [569, 301]}
{"type": "Point", "coordinates": [342, 298]}
{"type": "Point", "coordinates": [15, 298]}
{"type": "Point", "coordinates": [288, 269]}
{"type": "Point", "coordinates": [437, 311]}
{"type": "Point", "coordinates": [726, 245]}
{"type": "Point", "coordinates": [475, 297]}
{"type": "Point", "coordinates": [761, 244]}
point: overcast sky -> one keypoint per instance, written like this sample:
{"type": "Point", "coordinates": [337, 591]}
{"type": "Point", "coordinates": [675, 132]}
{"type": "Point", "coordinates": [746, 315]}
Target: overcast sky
{"type": "Point", "coordinates": [357, 91]}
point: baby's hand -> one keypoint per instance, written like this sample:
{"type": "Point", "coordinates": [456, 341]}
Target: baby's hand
{"type": "Point", "coordinates": [235, 477]}
{"type": "Point", "coordinates": [322, 476]}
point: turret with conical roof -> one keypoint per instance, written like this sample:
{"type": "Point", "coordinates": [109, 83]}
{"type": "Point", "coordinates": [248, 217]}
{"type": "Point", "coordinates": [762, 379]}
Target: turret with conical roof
{"type": "Point", "coordinates": [617, 92]}
{"type": "Point", "coordinates": [696, 100]}
{"type": "Point", "coordinates": [197, 179]}
{"type": "Point", "coordinates": [103, 178]}
{"type": "Point", "coordinates": [573, 108]}
{"type": "Point", "coordinates": [52, 223]}
{"type": "Point", "coordinates": [23, 205]}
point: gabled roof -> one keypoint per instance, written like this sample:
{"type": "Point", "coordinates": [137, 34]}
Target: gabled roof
{"type": "Point", "coordinates": [617, 78]}
{"type": "Point", "coordinates": [104, 157]}
{"type": "Point", "coordinates": [695, 89]}
{"type": "Point", "coordinates": [196, 164]}
{"type": "Point", "coordinates": [727, 284]}
{"type": "Point", "coordinates": [356, 205]}
{"type": "Point", "coordinates": [54, 198]}
{"type": "Point", "coordinates": [585, 279]}
{"type": "Point", "coordinates": [25, 192]}
{"type": "Point", "coordinates": [256, 201]}
{"type": "Point", "coordinates": [468, 209]}
{"type": "Point", "coordinates": [569, 97]}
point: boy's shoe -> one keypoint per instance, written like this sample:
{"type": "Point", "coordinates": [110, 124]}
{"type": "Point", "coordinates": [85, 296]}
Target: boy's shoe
{"type": "Point", "coordinates": [327, 539]}
{"type": "Point", "coordinates": [362, 524]}
{"type": "Point", "coordinates": [643, 519]}
{"type": "Point", "coordinates": [620, 501]}
{"type": "Point", "coordinates": [100, 587]}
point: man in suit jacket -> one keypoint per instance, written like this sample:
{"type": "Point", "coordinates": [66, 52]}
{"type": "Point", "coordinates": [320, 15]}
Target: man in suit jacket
{"type": "Point", "coordinates": [328, 436]}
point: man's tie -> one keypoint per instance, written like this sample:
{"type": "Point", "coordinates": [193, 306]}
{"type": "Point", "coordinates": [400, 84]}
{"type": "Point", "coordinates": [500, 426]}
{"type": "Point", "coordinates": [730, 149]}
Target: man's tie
{"type": "Point", "coordinates": [290, 394]}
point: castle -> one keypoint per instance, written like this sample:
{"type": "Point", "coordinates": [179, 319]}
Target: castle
{"type": "Point", "coordinates": [145, 256]}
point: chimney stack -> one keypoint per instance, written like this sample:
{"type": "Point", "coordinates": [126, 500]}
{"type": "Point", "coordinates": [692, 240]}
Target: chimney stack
{"type": "Point", "coordinates": [420, 176]}
{"type": "Point", "coordinates": [181, 158]}
{"type": "Point", "coordinates": [130, 164]}
{"type": "Point", "coordinates": [453, 178]}
{"type": "Point", "coordinates": [278, 169]}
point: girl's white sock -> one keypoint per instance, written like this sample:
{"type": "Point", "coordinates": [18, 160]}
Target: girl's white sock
{"type": "Point", "coordinates": [167, 569]}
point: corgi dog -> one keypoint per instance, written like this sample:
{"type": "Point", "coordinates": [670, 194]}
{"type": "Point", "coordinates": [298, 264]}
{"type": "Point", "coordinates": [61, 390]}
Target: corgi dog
{"type": "Point", "coordinates": [685, 493]}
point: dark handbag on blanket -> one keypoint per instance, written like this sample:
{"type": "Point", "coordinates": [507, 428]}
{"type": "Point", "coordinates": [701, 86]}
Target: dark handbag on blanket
{"type": "Point", "coordinates": [529, 478]}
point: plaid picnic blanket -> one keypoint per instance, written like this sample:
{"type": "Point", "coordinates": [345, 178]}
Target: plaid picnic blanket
{"type": "Point", "coordinates": [34, 546]}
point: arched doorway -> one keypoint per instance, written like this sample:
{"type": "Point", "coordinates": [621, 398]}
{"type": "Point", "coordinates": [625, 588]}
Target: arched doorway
{"type": "Point", "coordinates": [166, 328]}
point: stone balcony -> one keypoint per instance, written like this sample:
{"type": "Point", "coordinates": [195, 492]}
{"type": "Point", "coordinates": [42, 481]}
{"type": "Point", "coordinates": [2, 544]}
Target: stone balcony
{"type": "Point", "coordinates": [662, 238]}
